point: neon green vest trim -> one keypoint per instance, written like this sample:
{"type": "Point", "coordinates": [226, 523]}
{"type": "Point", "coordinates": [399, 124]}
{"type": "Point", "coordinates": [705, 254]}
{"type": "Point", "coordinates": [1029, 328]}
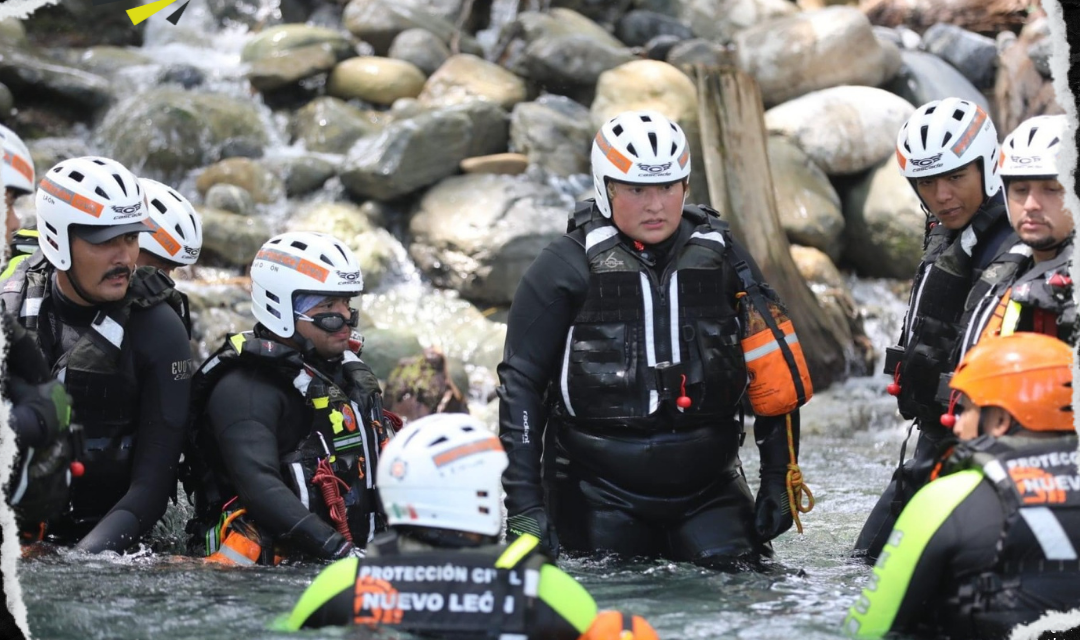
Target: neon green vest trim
{"type": "Point", "coordinates": [566, 597]}
{"type": "Point", "coordinates": [12, 265]}
{"type": "Point", "coordinates": [873, 614]}
{"type": "Point", "coordinates": [338, 577]}
{"type": "Point", "coordinates": [516, 551]}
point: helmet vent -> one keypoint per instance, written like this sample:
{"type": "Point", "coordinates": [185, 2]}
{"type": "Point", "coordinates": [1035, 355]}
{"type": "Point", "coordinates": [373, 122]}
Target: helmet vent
{"type": "Point", "coordinates": [97, 161]}
{"type": "Point", "coordinates": [646, 119]}
{"type": "Point", "coordinates": [923, 131]}
{"type": "Point", "coordinates": [652, 141]}
{"type": "Point", "coordinates": [101, 192]}
{"type": "Point", "coordinates": [298, 245]}
{"type": "Point", "coordinates": [946, 138]}
{"type": "Point", "coordinates": [325, 260]}
{"type": "Point", "coordinates": [631, 149]}
{"type": "Point", "coordinates": [158, 205]}
{"type": "Point", "coordinates": [274, 312]}
{"type": "Point", "coordinates": [958, 115]}
{"type": "Point", "coordinates": [1053, 142]}
{"type": "Point", "coordinates": [467, 428]}
{"type": "Point", "coordinates": [120, 182]}
{"type": "Point", "coordinates": [341, 251]}
{"type": "Point", "coordinates": [76, 176]}
{"type": "Point", "coordinates": [270, 294]}
{"type": "Point", "coordinates": [439, 440]}
{"type": "Point", "coordinates": [674, 148]}
{"type": "Point", "coordinates": [617, 130]}
{"type": "Point", "coordinates": [180, 232]}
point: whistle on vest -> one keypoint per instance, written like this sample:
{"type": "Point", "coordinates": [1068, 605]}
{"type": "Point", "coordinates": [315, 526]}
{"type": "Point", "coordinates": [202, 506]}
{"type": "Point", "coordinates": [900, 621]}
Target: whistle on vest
{"type": "Point", "coordinates": [778, 377]}
{"type": "Point", "coordinates": [671, 383]}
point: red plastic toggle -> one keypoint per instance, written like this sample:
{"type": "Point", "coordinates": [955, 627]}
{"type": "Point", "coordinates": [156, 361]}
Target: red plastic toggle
{"type": "Point", "coordinates": [948, 420]}
{"type": "Point", "coordinates": [893, 388]}
{"type": "Point", "coordinates": [683, 401]}
{"type": "Point", "coordinates": [77, 469]}
{"type": "Point", "coordinates": [639, 245]}
{"type": "Point", "coordinates": [1059, 280]}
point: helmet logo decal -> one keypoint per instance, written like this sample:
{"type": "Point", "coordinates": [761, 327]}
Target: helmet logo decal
{"type": "Point", "coordinates": [969, 134]}
{"type": "Point", "coordinates": [306, 267]}
{"type": "Point", "coordinates": [1025, 159]}
{"type": "Point", "coordinates": [129, 210]}
{"type": "Point", "coordinates": [654, 168]}
{"type": "Point", "coordinates": [398, 469]}
{"type": "Point", "coordinates": [621, 162]}
{"type": "Point", "coordinates": [351, 276]}
{"type": "Point", "coordinates": [81, 203]}
{"type": "Point", "coordinates": [167, 242]}
{"type": "Point", "coordinates": [925, 162]}
{"type": "Point", "coordinates": [466, 450]}
{"type": "Point", "coordinates": [194, 253]}
{"type": "Point", "coordinates": [19, 164]}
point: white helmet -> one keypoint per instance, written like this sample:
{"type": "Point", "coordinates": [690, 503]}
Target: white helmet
{"type": "Point", "coordinates": [91, 192]}
{"type": "Point", "coordinates": [1031, 150]}
{"type": "Point", "coordinates": [299, 262]}
{"type": "Point", "coordinates": [944, 135]}
{"type": "Point", "coordinates": [177, 232]}
{"type": "Point", "coordinates": [641, 147]}
{"type": "Point", "coordinates": [443, 470]}
{"type": "Point", "coordinates": [17, 169]}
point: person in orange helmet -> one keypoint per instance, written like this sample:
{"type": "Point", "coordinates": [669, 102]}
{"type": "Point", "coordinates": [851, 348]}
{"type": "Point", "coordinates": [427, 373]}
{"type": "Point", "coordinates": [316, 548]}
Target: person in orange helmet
{"type": "Point", "coordinates": [992, 544]}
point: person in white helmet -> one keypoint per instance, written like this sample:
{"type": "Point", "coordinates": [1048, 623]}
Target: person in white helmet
{"type": "Point", "coordinates": [1034, 292]}
{"type": "Point", "coordinates": [176, 239]}
{"type": "Point", "coordinates": [948, 150]}
{"type": "Point", "coordinates": [122, 354]}
{"type": "Point", "coordinates": [646, 327]}
{"type": "Point", "coordinates": [17, 177]}
{"type": "Point", "coordinates": [439, 484]}
{"type": "Point", "coordinates": [288, 419]}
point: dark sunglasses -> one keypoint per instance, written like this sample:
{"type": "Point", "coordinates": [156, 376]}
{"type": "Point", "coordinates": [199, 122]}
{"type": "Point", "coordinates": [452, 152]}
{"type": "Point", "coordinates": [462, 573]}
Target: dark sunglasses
{"type": "Point", "coordinates": [332, 322]}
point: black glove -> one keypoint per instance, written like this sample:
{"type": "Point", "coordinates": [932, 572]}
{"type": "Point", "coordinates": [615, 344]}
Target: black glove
{"type": "Point", "coordinates": [534, 522]}
{"type": "Point", "coordinates": [49, 402]}
{"type": "Point", "coordinates": [772, 510]}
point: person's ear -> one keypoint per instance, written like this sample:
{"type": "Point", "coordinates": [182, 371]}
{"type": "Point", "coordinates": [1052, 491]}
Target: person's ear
{"type": "Point", "coordinates": [998, 421]}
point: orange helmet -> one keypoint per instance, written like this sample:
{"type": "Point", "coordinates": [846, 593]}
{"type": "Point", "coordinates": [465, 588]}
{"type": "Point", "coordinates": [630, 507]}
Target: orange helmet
{"type": "Point", "coordinates": [614, 625]}
{"type": "Point", "coordinates": [1027, 374]}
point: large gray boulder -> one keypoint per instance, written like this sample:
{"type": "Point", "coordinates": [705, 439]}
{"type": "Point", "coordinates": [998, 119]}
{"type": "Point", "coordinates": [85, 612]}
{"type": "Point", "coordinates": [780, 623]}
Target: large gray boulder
{"type": "Point", "coordinates": [793, 56]}
{"type": "Point", "coordinates": [478, 233]}
{"type": "Point", "coordinates": [844, 130]}
{"type": "Point", "coordinates": [422, 48]}
{"type": "Point", "coordinates": [490, 126]}
{"type": "Point", "coordinates": [23, 70]}
{"type": "Point", "coordinates": [973, 54]}
{"type": "Point", "coordinates": [924, 77]}
{"type": "Point", "coordinates": [290, 67]}
{"type": "Point", "coordinates": [378, 22]}
{"type": "Point", "coordinates": [884, 223]}
{"type": "Point", "coordinates": [561, 21]}
{"type": "Point", "coordinates": [466, 77]}
{"type": "Point", "coordinates": [407, 155]}
{"type": "Point", "coordinates": [231, 239]}
{"type": "Point", "coordinates": [164, 133]}
{"type": "Point", "coordinates": [568, 62]}
{"type": "Point", "coordinates": [554, 132]}
{"type": "Point", "coordinates": [280, 40]}
{"type": "Point", "coordinates": [638, 27]}
{"type": "Point", "coordinates": [722, 19]}
{"type": "Point", "coordinates": [808, 205]}
{"type": "Point", "coordinates": [251, 175]}
{"type": "Point", "coordinates": [302, 174]}
{"type": "Point", "coordinates": [331, 125]}
{"type": "Point", "coordinates": [375, 79]}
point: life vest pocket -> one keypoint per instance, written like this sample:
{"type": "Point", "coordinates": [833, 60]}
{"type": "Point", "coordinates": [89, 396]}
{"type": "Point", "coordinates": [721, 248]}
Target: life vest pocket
{"type": "Point", "coordinates": [600, 372]}
{"type": "Point", "coordinates": [722, 369]}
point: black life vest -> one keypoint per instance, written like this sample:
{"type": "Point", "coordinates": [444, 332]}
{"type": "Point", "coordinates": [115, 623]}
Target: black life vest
{"type": "Point", "coordinates": [344, 432]}
{"type": "Point", "coordinates": [1036, 566]}
{"type": "Point", "coordinates": [484, 592]}
{"type": "Point", "coordinates": [106, 398]}
{"type": "Point", "coordinates": [933, 324]}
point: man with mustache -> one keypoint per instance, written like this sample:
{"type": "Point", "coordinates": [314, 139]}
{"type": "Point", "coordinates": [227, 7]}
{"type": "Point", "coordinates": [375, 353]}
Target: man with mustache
{"type": "Point", "coordinates": [1036, 292]}
{"type": "Point", "coordinates": [948, 151]}
{"type": "Point", "coordinates": [632, 343]}
{"type": "Point", "coordinates": [123, 356]}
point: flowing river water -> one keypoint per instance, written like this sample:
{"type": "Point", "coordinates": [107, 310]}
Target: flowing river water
{"type": "Point", "coordinates": [849, 448]}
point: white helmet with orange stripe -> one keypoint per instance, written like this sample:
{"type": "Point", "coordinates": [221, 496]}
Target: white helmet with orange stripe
{"type": "Point", "coordinates": [299, 262]}
{"type": "Point", "coordinates": [17, 169]}
{"type": "Point", "coordinates": [944, 135]}
{"type": "Point", "coordinates": [90, 192]}
{"type": "Point", "coordinates": [445, 471]}
{"type": "Point", "coordinates": [639, 147]}
{"type": "Point", "coordinates": [177, 231]}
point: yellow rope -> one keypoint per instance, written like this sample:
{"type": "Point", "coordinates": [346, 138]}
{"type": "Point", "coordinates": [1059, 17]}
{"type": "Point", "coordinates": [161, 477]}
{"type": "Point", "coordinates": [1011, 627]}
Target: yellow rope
{"type": "Point", "coordinates": [800, 498]}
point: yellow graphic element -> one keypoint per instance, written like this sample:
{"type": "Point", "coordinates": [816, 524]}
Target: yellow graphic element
{"type": "Point", "coordinates": [138, 14]}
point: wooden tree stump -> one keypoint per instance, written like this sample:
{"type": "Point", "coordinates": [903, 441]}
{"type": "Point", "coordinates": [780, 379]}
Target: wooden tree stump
{"type": "Point", "coordinates": [736, 163]}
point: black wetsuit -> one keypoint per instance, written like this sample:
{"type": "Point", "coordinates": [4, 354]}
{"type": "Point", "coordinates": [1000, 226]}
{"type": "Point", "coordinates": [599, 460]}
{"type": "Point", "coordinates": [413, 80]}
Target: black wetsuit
{"type": "Point", "coordinates": [116, 502]}
{"type": "Point", "coordinates": [677, 491]}
{"type": "Point", "coordinates": [933, 437]}
{"type": "Point", "coordinates": [253, 417]}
